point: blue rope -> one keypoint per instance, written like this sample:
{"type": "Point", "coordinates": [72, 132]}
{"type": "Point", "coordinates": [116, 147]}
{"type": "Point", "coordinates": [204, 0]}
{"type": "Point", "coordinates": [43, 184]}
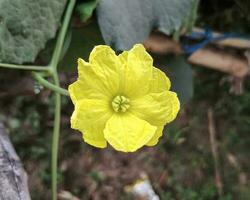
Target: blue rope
{"type": "Point", "coordinates": [206, 37]}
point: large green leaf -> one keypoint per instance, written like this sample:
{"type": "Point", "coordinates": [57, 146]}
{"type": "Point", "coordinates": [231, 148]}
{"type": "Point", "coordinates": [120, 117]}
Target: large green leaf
{"type": "Point", "coordinates": [26, 26]}
{"type": "Point", "coordinates": [125, 22]}
{"type": "Point", "coordinates": [180, 74]}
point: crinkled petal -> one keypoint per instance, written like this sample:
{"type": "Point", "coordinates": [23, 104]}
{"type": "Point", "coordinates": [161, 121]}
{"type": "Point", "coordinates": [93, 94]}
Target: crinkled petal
{"type": "Point", "coordinates": [160, 82]}
{"type": "Point", "coordinates": [90, 117]}
{"type": "Point", "coordinates": [137, 71]}
{"type": "Point", "coordinates": [89, 85]}
{"type": "Point", "coordinates": [127, 133]}
{"type": "Point", "coordinates": [156, 108]}
{"type": "Point", "coordinates": [107, 66]}
{"type": "Point", "coordinates": [158, 133]}
{"type": "Point", "coordinates": [80, 90]}
{"type": "Point", "coordinates": [94, 137]}
{"type": "Point", "coordinates": [123, 57]}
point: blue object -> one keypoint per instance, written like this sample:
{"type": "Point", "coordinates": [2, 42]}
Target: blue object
{"type": "Point", "coordinates": [206, 37]}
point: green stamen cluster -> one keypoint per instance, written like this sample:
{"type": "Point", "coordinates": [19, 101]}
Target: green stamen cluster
{"type": "Point", "coordinates": [120, 104]}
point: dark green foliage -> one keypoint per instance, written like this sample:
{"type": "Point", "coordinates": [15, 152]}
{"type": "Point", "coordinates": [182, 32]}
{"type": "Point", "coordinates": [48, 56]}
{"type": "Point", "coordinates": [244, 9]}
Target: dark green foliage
{"type": "Point", "coordinates": [86, 9]}
{"type": "Point", "coordinates": [26, 26]}
{"type": "Point", "coordinates": [83, 41]}
{"type": "Point", "coordinates": [226, 15]}
{"type": "Point", "coordinates": [204, 192]}
{"type": "Point", "coordinates": [180, 74]}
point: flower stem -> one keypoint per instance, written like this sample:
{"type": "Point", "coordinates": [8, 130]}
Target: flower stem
{"type": "Point", "coordinates": [53, 67]}
{"type": "Point", "coordinates": [49, 85]}
{"type": "Point", "coordinates": [25, 67]}
{"type": "Point", "coordinates": [52, 70]}
{"type": "Point", "coordinates": [55, 139]}
{"type": "Point", "coordinates": [61, 36]}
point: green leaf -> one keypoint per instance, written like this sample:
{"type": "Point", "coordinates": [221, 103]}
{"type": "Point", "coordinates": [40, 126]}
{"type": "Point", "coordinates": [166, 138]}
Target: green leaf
{"type": "Point", "coordinates": [82, 42]}
{"type": "Point", "coordinates": [45, 55]}
{"type": "Point", "coordinates": [86, 9]}
{"type": "Point", "coordinates": [26, 26]}
{"type": "Point", "coordinates": [66, 44]}
{"type": "Point", "coordinates": [180, 74]}
{"type": "Point", "coordinates": [124, 23]}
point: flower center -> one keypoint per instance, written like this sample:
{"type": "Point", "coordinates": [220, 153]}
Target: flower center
{"type": "Point", "coordinates": [120, 103]}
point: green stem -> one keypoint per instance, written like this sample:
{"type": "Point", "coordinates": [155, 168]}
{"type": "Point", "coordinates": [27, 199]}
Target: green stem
{"type": "Point", "coordinates": [55, 139]}
{"type": "Point", "coordinates": [62, 34]}
{"type": "Point", "coordinates": [53, 67]}
{"type": "Point", "coordinates": [49, 85]}
{"type": "Point", "coordinates": [25, 67]}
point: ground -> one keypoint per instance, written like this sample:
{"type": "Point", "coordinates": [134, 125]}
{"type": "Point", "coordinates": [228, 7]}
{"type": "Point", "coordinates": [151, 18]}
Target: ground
{"type": "Point", "coordinates": [181, 167]}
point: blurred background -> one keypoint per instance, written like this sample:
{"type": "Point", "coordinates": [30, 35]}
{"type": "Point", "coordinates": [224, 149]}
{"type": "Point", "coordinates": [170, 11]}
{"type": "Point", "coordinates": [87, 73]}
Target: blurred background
{"type": "Point", "coordinates": [203, 46]}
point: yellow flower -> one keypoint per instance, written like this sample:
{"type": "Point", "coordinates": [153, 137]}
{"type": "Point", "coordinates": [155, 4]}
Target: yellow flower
{"type": "Point", "coordinates": [122, 100]}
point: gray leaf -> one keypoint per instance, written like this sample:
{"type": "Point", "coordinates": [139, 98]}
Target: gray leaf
{"type": "Point", "coordinates": [125, 22]}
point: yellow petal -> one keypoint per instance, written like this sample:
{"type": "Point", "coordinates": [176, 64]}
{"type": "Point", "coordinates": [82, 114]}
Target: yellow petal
{"type": "Point", "coordinates": [82, 66]}
{"type": "Point", "coordinates": [158, 133]}
{"type": "Point", "coordinates": [75, 91]}
{"type": "Point", "coordinates": [94, 138]}
{"type": "Point", "coordinates": [137, 73]}
{"type": "Point", "coordinates": [107, 66]}
{"type": "Point", "coordinates": [89, 85]}
{"type": "Point", "coordinates": [90, 117]}
{"type": "Point", "coordinates": [80, 90]}
{"type": "Point", "coordinates": [127, 133]}
{"type": "Point", "coordinates": [156, 108]}
{"type": "Point", "coordinates": [123, 57]}
{"type": "Point", "coordinates": [160, 82]}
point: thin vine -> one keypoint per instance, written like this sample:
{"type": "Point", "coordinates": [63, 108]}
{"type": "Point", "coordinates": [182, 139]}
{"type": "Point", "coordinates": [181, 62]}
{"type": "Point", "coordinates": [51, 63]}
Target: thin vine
{"type": "Point", "coordinates": [52, 71]}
